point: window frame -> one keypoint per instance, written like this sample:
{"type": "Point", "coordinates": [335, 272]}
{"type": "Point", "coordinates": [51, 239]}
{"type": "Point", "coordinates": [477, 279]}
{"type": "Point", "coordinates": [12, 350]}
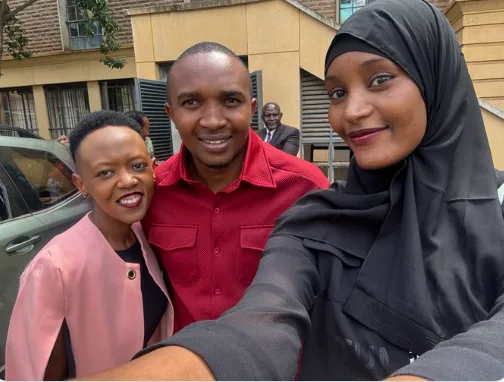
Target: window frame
{"type": "Point", "coordinates": [47, 156]}
{"type": "Point", "coordinates": [28, 112]}
{"type": "Point", "coordinates": [353, 7]}
{"type": "Point", "coordinates": [81, 41]}
{"type": "Point", "coordinates": [58, 123]}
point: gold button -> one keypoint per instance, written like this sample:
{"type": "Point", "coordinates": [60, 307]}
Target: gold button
{"type": "Point", "coordinates": [131, 274]}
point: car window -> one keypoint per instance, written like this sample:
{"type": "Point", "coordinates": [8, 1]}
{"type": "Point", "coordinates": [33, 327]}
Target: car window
{"type": "Point", "coordinates": [11, 203]}
{"type": "Point", "coordinates": [42, 179]}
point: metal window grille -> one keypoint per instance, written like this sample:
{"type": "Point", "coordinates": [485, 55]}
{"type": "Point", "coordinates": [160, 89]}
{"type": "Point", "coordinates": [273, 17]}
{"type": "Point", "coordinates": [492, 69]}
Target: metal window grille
{"type": "Point", "coordinates": [349, 7]}
{"type": "Point", "coordinates": [66, 105]}
{"type": "Point", "coordinates": [118, 95]}
{"type": "Point", "coordinates": [79, 39]}
{"type": "Point", "coordinates": [17, 108]}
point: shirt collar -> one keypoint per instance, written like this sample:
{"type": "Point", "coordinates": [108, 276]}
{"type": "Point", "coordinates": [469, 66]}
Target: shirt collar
{"type": "Point", "coordinates": [256, 168]}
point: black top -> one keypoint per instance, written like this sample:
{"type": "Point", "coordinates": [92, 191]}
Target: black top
{"type": "Point", "coordinates": [154, 300]}
{"type": "Point", "coordinates": [400, 262]}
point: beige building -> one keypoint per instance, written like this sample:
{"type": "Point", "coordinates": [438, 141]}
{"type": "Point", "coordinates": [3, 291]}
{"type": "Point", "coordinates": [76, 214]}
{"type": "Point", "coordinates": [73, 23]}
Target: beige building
{"type": "Point", "coordinates": [65, 79]}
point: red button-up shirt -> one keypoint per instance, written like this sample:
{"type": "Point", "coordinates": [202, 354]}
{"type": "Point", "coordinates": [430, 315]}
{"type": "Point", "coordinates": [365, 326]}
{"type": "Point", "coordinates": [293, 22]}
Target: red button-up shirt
{"type": "Point", "coordinates": [210, 243]}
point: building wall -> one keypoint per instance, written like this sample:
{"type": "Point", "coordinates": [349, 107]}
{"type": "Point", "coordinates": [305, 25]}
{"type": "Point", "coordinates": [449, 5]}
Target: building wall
{"type": "Point", "coordinates": [494, 126]}
{"type": "Point", "coordinates": [479, 25]}
{"type": "Point", "coordinates": [247, 29]}
{"type": "Point", "coordinates": [41, 23]}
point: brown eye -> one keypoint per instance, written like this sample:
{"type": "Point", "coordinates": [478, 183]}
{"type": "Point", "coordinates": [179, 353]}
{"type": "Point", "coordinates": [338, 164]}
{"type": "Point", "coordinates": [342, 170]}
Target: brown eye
{"type": "Point", "coordinates": [380, 80]}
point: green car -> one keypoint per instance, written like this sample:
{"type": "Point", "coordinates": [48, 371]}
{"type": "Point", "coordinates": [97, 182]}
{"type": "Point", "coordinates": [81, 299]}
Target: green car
{"type": "Point", "coordinates": [38, 200]}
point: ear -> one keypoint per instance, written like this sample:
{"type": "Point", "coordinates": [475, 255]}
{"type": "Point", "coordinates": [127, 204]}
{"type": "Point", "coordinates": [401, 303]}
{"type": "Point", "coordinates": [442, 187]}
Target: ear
{"type": "Point", "coordinates": [253, 106]}
{"type": "Point", "coordinates": [169, 111]}
{"type": "Point", "coordinates": [79, 183]}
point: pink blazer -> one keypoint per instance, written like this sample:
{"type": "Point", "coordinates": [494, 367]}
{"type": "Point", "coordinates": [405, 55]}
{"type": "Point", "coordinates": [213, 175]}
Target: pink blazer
{"type": "Point", "coordinates": [77, 276]}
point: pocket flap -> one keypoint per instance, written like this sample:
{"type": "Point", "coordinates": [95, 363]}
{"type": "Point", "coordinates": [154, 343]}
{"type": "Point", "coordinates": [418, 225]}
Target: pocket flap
{"type": "Point", "coordinates": [345, 257]}
{"type": "Point", "coordinates": [255, 237]}
{"type": "Point", "coordinates": [170, 237]}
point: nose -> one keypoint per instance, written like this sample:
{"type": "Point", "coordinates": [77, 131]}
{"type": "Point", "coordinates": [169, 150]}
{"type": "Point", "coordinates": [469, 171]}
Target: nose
{"type": "Point", "coordinates": [213, 118]}
{"type": "Point", "coordinates": [357, 107]}
{"type": "Point", "coordinates": [126, 180]}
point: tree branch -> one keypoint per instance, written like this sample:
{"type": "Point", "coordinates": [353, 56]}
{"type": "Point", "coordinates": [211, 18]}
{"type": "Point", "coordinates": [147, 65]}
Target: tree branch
{"type": "Point", "coordinates": [22, 7]}
{"type": "Point", "coordinates": [3, 10]}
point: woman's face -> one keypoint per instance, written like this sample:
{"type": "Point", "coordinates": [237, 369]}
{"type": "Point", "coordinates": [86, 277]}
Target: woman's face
{"type": "Point", "coordinates": [116, 172]}
{"type": "Point", "coordinates": [376, 108]}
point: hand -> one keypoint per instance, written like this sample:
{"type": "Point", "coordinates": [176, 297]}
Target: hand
{"type": "Point", "coordinates": [406, 378]}
{"type": "Point", "coordinates": [63, 139]}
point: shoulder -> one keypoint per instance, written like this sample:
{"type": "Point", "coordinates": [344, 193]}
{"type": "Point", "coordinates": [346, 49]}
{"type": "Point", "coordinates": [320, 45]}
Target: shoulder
{"type": "Point", "coordinates": [296, 167]}
{"type": "Point", "coordinates": [290, 130]}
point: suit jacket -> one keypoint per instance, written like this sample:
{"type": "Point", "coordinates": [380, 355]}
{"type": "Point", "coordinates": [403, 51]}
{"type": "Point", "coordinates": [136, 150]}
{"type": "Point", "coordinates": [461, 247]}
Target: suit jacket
{"type": "Point", "coordinates": [286, 138]}
{"type": "Point", "coordinates": [79, 278]}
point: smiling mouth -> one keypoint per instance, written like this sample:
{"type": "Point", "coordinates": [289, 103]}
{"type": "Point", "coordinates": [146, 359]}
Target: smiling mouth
{"type": "Point", "coordinates": [364, 132]}
{"type": "Point", "coordinates": [215, 142]}
{"type": "Point", "coordinates": [131, 200]}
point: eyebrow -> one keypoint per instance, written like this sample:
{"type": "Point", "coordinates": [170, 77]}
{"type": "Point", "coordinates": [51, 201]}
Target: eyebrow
{"type": "Point", "coordinates": [225, 93]}
{"type": "Point", "coordinates": [366, 63]}
{"type": "Point", "coordinates": [372, 61]}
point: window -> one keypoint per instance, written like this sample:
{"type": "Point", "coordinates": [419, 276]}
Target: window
{"type": "Point", "coordinates": [79, 39]}
{"type": "Point", "coordinates": [348, 7]}
{"type": "Point", "coordinates": [66, 106]}
{"type": "Point", "coordinates": [11, 203]}
{"type": "Point", "coordinates": [41, 178]}
{"type": "Point", "coordinates": [17, 108]}
{"type": "Point", "coordinates": [118, 95]}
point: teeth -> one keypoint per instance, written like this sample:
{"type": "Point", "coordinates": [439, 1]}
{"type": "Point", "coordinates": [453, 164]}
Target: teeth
{"type": "Point", "coordinates": [130, 200]}
{"type": "Point", "coordinates": [215, 142]}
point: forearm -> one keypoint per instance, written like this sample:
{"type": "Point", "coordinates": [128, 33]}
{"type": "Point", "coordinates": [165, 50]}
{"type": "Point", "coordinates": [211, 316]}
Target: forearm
{"type": "Point", "coordinates": [166, 363]}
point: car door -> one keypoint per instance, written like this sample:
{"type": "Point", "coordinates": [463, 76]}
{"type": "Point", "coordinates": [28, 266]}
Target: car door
{"type": "Point", "coordinates": [22, 235]}
{"type": "Point", "coordinates": [41, 174]}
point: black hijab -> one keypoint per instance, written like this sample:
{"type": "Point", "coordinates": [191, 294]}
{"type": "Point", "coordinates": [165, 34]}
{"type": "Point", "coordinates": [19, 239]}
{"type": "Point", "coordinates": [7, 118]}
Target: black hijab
{"type": "Point", "coordinates": [429, 229]}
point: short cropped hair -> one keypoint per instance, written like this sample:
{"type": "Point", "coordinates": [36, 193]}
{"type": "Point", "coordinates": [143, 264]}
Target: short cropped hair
{"type": "Point", "coordinates": [96, 121]}
{"type": "Point", "coordinates": [137, 115]}
{"type": "Point", "coordinates": [199, 48]}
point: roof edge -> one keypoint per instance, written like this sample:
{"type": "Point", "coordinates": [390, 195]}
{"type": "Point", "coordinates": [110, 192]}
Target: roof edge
{"type": "Point", "coordinates": [491, 108]}
{"type": "Point", "coordinates": [187, 6]}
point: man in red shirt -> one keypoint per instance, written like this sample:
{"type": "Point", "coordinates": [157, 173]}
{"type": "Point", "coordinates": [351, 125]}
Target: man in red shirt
{"type": "Point", "coordinates": [216, 202]}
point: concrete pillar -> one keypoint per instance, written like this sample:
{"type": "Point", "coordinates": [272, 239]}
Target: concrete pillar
{"type": "Point", "coordinates": [41, 111]}
{"type": "Point", "coordinates": [94, 94]}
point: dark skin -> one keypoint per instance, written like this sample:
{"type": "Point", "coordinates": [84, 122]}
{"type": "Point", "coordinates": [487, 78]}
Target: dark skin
{"type": "Point", "coordinates": [272, 116]}
{"type": "Point", "coordinates": [112, 162]}
{"type": "Point", "coordinates": [211, 107]}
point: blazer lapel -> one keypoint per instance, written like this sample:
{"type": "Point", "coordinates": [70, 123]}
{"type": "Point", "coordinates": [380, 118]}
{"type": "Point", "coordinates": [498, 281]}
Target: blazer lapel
{"type": "Point", "coordinates": [277, 135]}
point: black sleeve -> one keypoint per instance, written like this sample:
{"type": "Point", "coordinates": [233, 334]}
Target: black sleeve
{"type": "Point", "coordinates": [475, 355]}
{"type": "Point", "coordinates": [260, 338]}
{"type": "Point", "coordinates": [291, 145]}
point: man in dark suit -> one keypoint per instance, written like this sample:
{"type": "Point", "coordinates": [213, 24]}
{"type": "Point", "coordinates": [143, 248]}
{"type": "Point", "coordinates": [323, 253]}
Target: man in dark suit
{"type": "Point", "coordinates": [283, 137]}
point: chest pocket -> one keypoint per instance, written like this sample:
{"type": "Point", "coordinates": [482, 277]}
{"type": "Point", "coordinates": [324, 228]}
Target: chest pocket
{"type": "Point", "coordinates": [252, 242]}
{"type": "Point", "coordinates": [176, 247]}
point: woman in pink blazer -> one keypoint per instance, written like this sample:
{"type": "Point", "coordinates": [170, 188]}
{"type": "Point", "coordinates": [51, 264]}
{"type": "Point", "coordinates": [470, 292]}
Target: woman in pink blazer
{"type": "Point", "coordinates": [95, 295]}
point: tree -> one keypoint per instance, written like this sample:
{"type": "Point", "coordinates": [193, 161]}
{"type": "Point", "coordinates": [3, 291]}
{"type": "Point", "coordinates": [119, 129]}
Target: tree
{"type": "Point", "coordinates": [96, 12]}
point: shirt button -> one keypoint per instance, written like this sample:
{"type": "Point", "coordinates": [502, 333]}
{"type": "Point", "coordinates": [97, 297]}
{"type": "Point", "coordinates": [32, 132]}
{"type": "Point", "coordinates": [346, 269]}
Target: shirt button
{"type": "Point", "coordinates": [217, 210]}
{"type": "Point", "coordinates": [217, 291]}
{"type": "Point", "coordinates": [216, 250]}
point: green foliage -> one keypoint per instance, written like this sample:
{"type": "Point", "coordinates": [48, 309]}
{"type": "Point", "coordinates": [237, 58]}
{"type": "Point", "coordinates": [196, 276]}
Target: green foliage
{"type": "Point", "coordinates": [98, 14]}
{"type": "Point", "coordinates": [15, 40]}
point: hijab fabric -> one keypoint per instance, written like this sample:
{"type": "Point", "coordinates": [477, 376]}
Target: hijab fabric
{"type": "Point", "coordinates": [429, 229]}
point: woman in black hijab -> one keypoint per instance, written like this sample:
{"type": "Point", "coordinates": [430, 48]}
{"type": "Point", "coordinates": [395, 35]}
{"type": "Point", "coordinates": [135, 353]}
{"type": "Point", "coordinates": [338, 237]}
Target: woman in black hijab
{"type": "Point", "coordinates": [406, 257]}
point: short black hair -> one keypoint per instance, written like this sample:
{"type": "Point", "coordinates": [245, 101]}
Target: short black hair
{"type": "Point", "coordinates": [96, 121]}
{"type": "Point", "coordinates": [199, 48]}
{"type": "Point", "coordinates": [137, 115]}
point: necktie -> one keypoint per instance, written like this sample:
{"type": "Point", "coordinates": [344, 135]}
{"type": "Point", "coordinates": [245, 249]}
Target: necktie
{"type": "Point", "coordinates": [268, 138]}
